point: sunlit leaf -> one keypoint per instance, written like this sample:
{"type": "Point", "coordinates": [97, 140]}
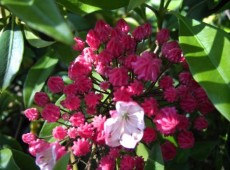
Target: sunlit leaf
{"type": "Point", "coordinates": [142, 151]}
{"type": "Point", "coordinates": [11, 53]}
{"type": "Point", "coordinates": [7, 162]}
{"type": "Point", "coordinates": [207, 52]}
{"type": "Point", "coordinates": [41, 16]}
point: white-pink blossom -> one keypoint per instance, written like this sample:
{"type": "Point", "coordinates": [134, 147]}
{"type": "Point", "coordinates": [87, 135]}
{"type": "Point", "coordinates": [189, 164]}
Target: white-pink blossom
{"type": "Point", "coordinates": [126, 125]}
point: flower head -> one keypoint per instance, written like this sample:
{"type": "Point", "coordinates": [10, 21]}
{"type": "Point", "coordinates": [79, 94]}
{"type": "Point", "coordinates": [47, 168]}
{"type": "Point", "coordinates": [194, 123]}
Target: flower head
{"type": "Point", "coordinates": [126, 125]}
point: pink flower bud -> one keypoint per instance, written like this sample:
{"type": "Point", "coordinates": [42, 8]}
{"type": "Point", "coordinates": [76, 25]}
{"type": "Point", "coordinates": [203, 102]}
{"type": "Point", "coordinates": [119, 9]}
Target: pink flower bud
{"type": "Point", "coordinates": [185, 139]}
{"type": "Point", "coordinates": [168, 151]}
{"type": "Point", "coordinates": [92, 39]}
{"type": "Point", "coordinates": [150, 135]}
{"type": "Point", "coordinates": [51, 113]}
{"type": "Point", "coordinates": [79, 44]}
{"type": "Point", "coordinates": [200, 123]}
{"type": "Point", "coordinates": [162, 36]}
{"type": "Point", "coordinates": [123, 26]}
{"type": "Point", "coordinates": [59, 132]}
{"type": "Point", "coordinates": [55, 84]}
{"type": "Point", "coordinates": [28, 138]}
{"type": "Point", "coordinates": [41, 99]}
{"type": "Point", "coordinates": [31, 114]}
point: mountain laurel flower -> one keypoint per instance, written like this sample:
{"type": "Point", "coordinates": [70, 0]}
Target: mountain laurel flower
{"type": "Point", "coordinates": [46, 159]}
{"type": "Point", "coordinates": [126, 125]}
{"type": "Point", "coordinates": [167, 120]}
{"type": "Point", "coordinates": [31, 114]}
{"type": "Point", "coordinates": [55, 84]}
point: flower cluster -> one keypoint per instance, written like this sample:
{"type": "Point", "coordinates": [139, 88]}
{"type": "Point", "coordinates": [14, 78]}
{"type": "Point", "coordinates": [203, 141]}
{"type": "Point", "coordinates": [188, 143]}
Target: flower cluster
{"type": "Point", "coordinates": [120, 81]}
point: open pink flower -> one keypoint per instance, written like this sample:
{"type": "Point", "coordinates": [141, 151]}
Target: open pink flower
{"type": "Point", "coordinates": [126, 125]}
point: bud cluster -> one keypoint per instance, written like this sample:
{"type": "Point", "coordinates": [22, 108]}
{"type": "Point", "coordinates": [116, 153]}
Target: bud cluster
{"type": "Point", "coordinates": [120, 81]}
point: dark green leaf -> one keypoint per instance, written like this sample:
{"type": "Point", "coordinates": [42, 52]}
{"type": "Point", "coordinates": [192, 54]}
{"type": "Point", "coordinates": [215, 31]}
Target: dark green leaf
{"type": "Point", "coordinates": [62, 163]}
{"type": "Point", "coordinates": [24, 161]}
{"type": "Point", "coordinates": [36, 78]}
{"type": "Point", "coordinates": [6, 160]}
{"type": "Point", "coordinates": [155, 160]}
{"type": "Point", "coordinates": [11, 53]}
{"type": "Point", "coordinates": [105, 4]}
{"type": "Point", "coordinates": [9, 142]}
{"type": "Point", "coordinates": [41, 16]}
{"type": "Point", "coordinates": [135, 3]}
{"type": "Point", "coordinates": [201, 150]}
{"type": "Point", "coordinates": [207, 52]}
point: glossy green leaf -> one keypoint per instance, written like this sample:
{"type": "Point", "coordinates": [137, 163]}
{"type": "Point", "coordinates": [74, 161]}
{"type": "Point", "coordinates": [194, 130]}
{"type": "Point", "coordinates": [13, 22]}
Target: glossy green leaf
{"type": "Point", "coordinates": [78, 7]}
{"type": "Point", "coordinates": [143, 151]}
{"type": "Point", "coordinates": [6, 160]}
{"type": "Point", "coordinates": [155, 160]}
{"type": "Point", "coordinates": [36, 78]}
{"type": "Point", "coordinates": [207, 52]}
{"type": "Point", "coordinates": [135, 3]}
{"type": "Point", "coordinates": [105, 4]}
{"type": "Point", "coordinates": [24, 161]}
{"type": "Point", "coordinates": [11, 53]}
{"type": "Point", "coordinates": [41, 16]}
{"type": "Point", "coordinates": [62, 163]}
{"type": "Point", "coordinates": [35, 40]}
{"type": "Point", "coordinates": [9, 142]}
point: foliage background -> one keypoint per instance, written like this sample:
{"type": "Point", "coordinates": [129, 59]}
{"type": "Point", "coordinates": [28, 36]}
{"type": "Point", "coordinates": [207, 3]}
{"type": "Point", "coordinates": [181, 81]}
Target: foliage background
{"type": "Point", "coordinates": [36, 39]}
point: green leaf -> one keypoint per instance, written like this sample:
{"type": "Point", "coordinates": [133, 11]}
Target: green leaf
{"type": "Point", "coordinates": [207, 52]}
{"type": "Point", "coordinates": [143, 151]}
{"type": "Point", "coordinates": [202, 149]}
{"type": "Point", "coordinates": [24, 161]}
{"type": "Point", "coordinates": [11, 53]}
{"type": "Point", "coordinates": [155, 160]}
{"type": "Point", "coordinates": [135, 3]}
{"type": "Point", "coordinates": [41, 16]}
{"type": "Point", "coordinates": [9, 142]}
{"type": "Point", "coordinates": [62, 163]}
{"type": "Point", "coordinates": [78, 7]}
{"type": "Point", "coordinates": [105, 4]}
{"type": "Point", "coordinates": [35, 40]}
{"type": "Point", "coordinates": [36, 78]}
{"type": "Point", "coordinates": [6, 160]}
